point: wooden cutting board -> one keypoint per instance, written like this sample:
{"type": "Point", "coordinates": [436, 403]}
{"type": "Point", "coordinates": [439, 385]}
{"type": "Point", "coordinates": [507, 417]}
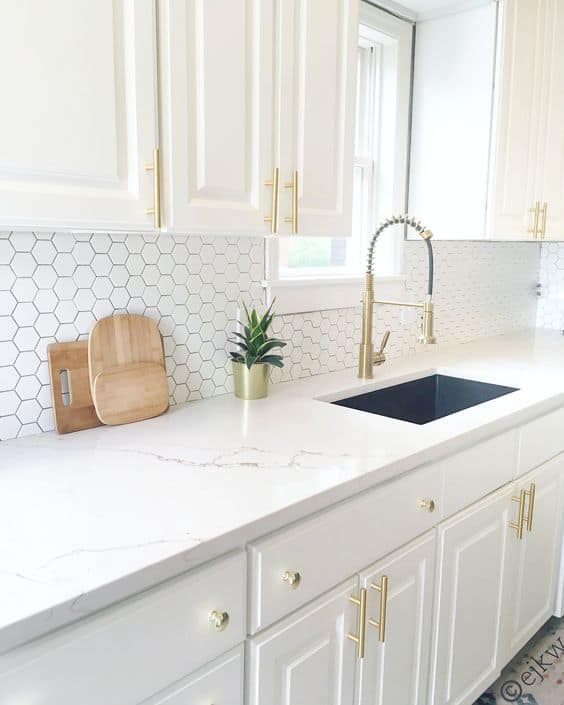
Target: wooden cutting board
{"type": "Point", "coordinates": [127, 369]}
{"type": "Point", "coordinates": [79, 413]}
{"type": "Point", "coordinates": [130, 393]}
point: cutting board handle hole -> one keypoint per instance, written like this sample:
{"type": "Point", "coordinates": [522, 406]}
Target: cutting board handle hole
{"type": "Point", "coordinates": [65, 389]}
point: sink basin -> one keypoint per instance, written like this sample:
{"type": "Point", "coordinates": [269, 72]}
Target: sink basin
{"type": "Point", "coordinates": [426, 399]}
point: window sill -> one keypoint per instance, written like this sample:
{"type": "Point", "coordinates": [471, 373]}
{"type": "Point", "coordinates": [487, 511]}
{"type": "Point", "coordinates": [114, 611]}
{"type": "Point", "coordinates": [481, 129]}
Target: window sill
{"type": "Point", "coordinates": [306, 295]}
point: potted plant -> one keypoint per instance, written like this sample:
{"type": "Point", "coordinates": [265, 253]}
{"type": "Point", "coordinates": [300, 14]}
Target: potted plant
{"type": "Point", "coordinates": [252, 360]}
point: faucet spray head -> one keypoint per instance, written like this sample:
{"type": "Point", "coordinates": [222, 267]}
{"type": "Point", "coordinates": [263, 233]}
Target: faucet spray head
{"type": "Point", "coordinates": [427, 336]}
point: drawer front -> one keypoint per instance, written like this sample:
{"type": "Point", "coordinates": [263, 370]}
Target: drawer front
{"type": "Point", "coordinates": [540, 440]}
{"type": "Point", "coordinates": [129, 652]}
{"type": "Point", "coordinates": [475, 472]}
{"type": "Point", "coordinates": [220, 683]}
{"type": "Point", "coordinates": [336, 544]}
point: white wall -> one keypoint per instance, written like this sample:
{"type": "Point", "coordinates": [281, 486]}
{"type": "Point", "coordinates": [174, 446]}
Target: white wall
{"type": "Point", "coordinates": [452, 99]}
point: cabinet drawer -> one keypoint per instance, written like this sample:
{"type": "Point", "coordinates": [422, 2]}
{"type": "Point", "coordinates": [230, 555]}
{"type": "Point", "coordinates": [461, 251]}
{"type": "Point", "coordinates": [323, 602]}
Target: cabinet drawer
{"type": "Point", "coordinates": [220, 683]}
{"type": "Point", "coordinates": [333, 545]}
{"type": "Point", "coordinates": [540, 440]}
{"type": "Point", "coordinates": [127, 653]}
{"type": "Point", "coordinates": [475, 472]}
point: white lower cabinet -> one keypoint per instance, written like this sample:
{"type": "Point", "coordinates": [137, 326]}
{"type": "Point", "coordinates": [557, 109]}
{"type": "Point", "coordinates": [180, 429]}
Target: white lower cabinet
{"type": "Point", "coordinates": [307, 658]}
{"type": "Point", "coordinates": [532, 559]}
{"type": "Point", "coordinates": [220, 683]}
{"type": "Point", "coordinates": [470, 577]}
{"type": "Point", "coordinates": [395, 669]}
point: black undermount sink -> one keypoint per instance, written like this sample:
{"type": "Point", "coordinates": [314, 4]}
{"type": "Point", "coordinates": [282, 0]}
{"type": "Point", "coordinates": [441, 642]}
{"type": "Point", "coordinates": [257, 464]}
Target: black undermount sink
{"type": "Point", "coordinates": [426, 399]}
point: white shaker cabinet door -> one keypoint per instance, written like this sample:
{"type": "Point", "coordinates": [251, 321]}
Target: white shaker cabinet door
{"type": "Point", "coordinates": [217, 683]}
{"type": "Point", "coordinates": [471, 559]}
{"type": "Point", "coordinates": [532, 560]}
{"type": "Point", "coordinates": [396, 668]}
{"type": "Point", "coordinates": [315, 113]}
{"type": "Point", "coordinates": [551, 190]}
{"type": "Point", "coordinates": [307, 659]}
{"type": "Point", "coordinates": [78, 122]}
{"type": "Point", "coordinates": [216, 102]}
{"type": "Point", "coordinates": [518, 120]}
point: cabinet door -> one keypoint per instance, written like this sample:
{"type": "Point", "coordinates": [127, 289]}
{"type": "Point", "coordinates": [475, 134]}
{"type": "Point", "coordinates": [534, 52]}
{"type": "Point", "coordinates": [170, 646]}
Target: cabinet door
{"type": "Point", "coordinates": [471, 558]}
{"type": "Point", "coordinates": [551, 190]}
{"type": "Point", "coordinates": [216, 98]}
{"type": "Point", "coordinates": [307, 658]}
{"type": "Point", "coordinates": [220, 683]}
{"type": "Point", "coordinates": [516, 135]}
{"type": "Point", "coordinates": [532, 560]}
{"type": "Point", "coordinates": [315, 112]}
{"type": "Point", "coordinates": [396, 670]}
{"type": "Point", "coordinates": [78, 125]}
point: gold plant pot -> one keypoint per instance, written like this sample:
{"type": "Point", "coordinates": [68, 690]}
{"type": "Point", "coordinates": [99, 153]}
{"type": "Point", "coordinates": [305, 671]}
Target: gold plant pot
{"type": "Point", "coordinates": [250, 383]}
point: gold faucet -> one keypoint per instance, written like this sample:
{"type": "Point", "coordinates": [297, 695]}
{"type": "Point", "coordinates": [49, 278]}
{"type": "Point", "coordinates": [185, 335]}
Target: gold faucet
{"type": "Point", "coordinates": [367, 357]}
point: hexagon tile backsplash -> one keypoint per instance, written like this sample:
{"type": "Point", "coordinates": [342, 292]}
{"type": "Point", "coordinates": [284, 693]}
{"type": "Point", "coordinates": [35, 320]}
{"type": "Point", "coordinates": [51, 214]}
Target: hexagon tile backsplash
{"type": "Point", "coordinates": [53, 286]}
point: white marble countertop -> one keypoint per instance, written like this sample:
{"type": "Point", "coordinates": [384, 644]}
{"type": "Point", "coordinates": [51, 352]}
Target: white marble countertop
{"type": "Point", "coordinates": [92, 517]}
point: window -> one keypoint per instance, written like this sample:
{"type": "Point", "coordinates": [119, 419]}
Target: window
{"type": "Point", "coordinates": [313, 273]}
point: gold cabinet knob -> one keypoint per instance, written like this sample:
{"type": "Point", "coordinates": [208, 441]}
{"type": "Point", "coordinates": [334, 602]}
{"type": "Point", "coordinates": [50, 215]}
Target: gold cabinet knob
{"type": "Point", "coordinates": [291, 578]}
{"type": "Point", "coordinates": [427, 504]}
{"type": "Point", "coordinates": [219, 620]}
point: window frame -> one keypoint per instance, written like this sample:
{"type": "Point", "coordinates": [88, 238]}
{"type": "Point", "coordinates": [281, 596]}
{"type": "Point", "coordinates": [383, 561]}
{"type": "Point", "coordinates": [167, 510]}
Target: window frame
{"type": "Point", "coordinates": [303, 294]}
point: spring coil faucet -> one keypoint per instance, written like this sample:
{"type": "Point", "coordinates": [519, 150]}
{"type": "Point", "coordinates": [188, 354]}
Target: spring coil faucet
{"type": "Point", "coordinates": [367, 357]}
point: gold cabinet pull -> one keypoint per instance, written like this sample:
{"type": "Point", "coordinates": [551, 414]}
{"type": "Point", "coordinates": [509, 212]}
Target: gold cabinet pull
{"type": "Point", "coordinates": [155, 167]}
{"type": "Point", "coordinates": [273, 217]}
{"type": "Point", "coordinates": [521, 516]}
{"type": "Point", "coordinates": [360, 638]}
{"type": "Point", "coordinates": [292, 578]}
{"type": "Point", "coordinates": [428, 504]}
{"type": "Point", "coordinates": [543, 221]}
{"type": "Point", "coordinates": [530, 493]}
{"type": "Point", "coordinates": [293, 186]}
{"type": "Point", "coordinates": [219, 620]}
{"type": "Point", "coordinates": [536, 211]}
{"type": "Point", "coordinates": [380, 623]}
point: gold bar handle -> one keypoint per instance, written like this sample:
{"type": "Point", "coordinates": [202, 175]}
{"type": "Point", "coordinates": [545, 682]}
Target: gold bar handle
{"type": "Point", "coordinates": [530, 493]}
{"type": "Point", "coordinates": [543, 222]}
{"type": "Point", "coordinates": [293, 186]}
{"type": "Point", "coordinates": [535, 229]}
{"type": "Point", "coordinates": [273, 217]}
{"type": "Point", "coordinates": [521, 517]}
{"type": "Point", "coordinates": [380, 624]}
{"type": "Point", "coordinates": [361, 638]}
{"type": "Point", "coordinates": [155, 167]}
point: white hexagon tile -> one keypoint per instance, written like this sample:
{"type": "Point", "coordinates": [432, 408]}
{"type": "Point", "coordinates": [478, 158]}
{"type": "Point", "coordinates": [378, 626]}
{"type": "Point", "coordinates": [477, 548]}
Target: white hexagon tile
{"type": "Point", "coordinates": [54, 286]}
{"type": "Point", "coordinates": [551, 300]}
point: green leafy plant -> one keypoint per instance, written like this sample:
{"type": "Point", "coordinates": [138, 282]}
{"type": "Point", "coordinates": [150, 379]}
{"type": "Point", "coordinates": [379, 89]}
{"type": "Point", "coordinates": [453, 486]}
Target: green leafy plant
{"type": "Point", "coordinates": [255, 345]}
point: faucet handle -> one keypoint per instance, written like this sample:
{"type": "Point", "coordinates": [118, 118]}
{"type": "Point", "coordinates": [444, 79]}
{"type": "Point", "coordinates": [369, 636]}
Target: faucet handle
{"type": "Point", "coordinates": [379, 357]}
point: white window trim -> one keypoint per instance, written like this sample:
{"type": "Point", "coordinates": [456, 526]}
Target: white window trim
{"type": "Point", "coordinates": [301, 295]}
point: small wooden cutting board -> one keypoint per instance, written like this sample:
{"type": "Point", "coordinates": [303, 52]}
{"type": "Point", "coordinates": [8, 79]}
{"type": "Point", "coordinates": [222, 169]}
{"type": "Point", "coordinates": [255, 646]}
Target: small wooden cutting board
{"type": "Point", "coordinates": [79, 413]}
{"type": "Point", "coordinates": [130, 393]}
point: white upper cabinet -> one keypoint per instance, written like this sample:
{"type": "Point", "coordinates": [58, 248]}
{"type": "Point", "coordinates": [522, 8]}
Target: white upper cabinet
{"type": "Point", "coordinates": [316, 49]}
{"type": "Point", "coordinates": [253, 92]}
{"type": "Point", "coordinates": [79, 116]}
{"type": "Point", "coordinates": [551, 189]}
{"type": "Point", "coordinates": [527, 179]}
{"type": "Point", "coordinates": [216, 60]}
